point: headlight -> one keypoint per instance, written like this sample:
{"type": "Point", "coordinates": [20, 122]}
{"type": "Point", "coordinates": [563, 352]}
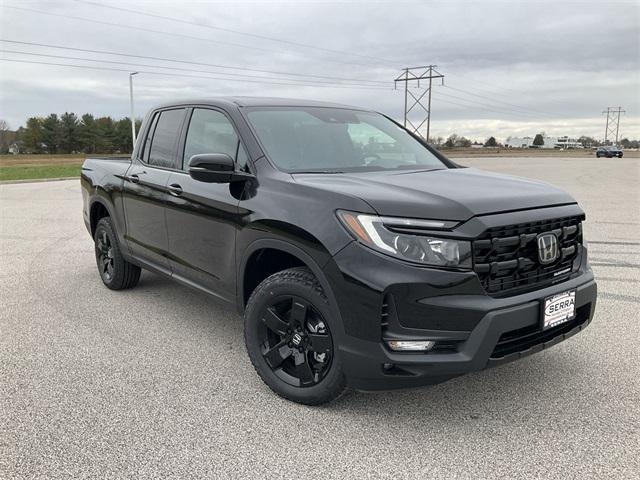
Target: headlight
{"type": "Point", "coordinates": [382, 234]}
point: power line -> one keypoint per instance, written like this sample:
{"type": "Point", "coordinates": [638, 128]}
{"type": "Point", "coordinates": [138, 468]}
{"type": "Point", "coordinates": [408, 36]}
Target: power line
{"type": "Point", "coordinates": [496, 89]}
{"type": "Point", "coordinates": [516, 112]}
{"type": "Point", "coordinates": [301, 82]}
{"type": "Point", "coordinates": [467, 105]}
{"type": "Point", "coordinates": [175, 34]}
{"type": "Point", "coordinates": [89, 67]}
{"type": "Point", "coordinates": [493, 86]}
{"type": "Point", "coordinates": [173, 60]}
{"type": "Point", "coordinates": [268, 50]}
{"type": "Point", "coordinates": [238, 32]}
{"type": "Point", "coordinates": [498, 101]}
{"type": "Point", "coordinates": [265, 81]}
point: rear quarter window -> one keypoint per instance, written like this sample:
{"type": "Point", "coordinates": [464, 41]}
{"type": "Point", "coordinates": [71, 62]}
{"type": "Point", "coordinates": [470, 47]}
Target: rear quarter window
{"type": "Point", "coordinates": [160, 148]}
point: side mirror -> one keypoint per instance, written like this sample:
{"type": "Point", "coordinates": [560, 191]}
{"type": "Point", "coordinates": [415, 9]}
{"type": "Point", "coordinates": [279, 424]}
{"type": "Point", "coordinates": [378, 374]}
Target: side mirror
{"type": "Point", "coordinates": [211, 168]}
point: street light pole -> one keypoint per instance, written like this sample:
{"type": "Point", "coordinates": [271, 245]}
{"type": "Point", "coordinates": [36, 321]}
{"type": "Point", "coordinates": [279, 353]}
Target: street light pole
{"type": "Point", "coordinates": [133, 116]}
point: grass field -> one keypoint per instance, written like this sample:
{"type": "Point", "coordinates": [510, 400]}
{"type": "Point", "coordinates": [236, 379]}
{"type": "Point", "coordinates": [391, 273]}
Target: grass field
{"type": "Point", "coordinates": [34, 172]}
{"type": "Point", "coordinates": [32, 167]}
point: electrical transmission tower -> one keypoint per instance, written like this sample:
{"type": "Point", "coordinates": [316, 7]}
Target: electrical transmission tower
{"type": "Point", "coordinates": [417, 74]}
{"type": "Point", "coordinates": [613, 122]}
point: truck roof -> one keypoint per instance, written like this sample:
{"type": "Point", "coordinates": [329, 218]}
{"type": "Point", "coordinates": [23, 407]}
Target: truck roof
{"type": "Point", "coordinates": [240, 101]}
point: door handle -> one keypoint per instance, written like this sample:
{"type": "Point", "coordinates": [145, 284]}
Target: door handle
{"type": "Point", "coordinates": [134, 178]}
{"type": "Point", "coordinates": [175, 189]}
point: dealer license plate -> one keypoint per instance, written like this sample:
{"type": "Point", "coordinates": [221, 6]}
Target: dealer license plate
{"type": "Point", "coordinates": [559, 309]}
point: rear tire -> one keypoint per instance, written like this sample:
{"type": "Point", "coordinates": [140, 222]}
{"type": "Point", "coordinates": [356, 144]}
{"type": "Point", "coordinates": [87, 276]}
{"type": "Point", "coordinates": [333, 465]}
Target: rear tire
{"type": "Point", "coordinates": [288, 334]}
{"type": "Point", "coordinates": [116, 273]}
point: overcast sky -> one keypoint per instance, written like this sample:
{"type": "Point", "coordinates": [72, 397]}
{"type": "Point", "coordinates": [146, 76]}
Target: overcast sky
{"type": "Point", "coordinates": [512, 68]}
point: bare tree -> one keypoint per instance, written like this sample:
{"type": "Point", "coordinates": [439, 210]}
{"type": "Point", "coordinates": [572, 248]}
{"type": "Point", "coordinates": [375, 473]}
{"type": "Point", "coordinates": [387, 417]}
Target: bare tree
{"type": "Point", "coordinates": [4, 136]}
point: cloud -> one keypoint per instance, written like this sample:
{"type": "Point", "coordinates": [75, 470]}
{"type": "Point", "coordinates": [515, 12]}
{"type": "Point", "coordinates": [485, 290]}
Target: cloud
{"type": "Point", "coordinates": [511, 68]}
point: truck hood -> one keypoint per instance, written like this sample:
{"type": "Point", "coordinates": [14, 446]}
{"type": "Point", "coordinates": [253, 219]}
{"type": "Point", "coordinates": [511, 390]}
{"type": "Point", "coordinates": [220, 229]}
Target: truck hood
{"type": "Point", "coordinates": [449, 194]}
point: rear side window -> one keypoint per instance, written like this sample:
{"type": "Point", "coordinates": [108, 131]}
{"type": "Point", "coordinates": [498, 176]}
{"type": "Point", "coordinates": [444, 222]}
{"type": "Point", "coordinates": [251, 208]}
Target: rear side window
{"type": "Point", "coordinates": [162, 150]}
{"type": "Point", "coordinates": [211, 131]}
{"type": "Point", "coordinates": [147, 143]}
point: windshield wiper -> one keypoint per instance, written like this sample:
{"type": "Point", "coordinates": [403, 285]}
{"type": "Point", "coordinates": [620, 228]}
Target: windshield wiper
{"type": "Point", "coordinates": [420, 168]}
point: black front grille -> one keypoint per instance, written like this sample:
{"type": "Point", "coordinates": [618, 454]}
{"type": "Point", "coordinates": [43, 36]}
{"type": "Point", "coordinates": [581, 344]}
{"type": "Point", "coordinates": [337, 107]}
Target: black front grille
{"type": "Point", "coordinates": [506, 258]}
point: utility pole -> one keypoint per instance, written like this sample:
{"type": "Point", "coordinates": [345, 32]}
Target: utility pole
{"type": "Point", "coordinates": [613, 122]}
{"type": "Point", "coordinates": [133, 115]}
{"type": "Point", "coordinates": [415, 74]}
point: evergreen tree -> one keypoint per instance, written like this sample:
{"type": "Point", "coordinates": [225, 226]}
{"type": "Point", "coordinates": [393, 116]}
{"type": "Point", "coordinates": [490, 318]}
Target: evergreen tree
{"type": "Point", "coordinates": [538, 141]}
{"type": "Point", "coordinates": [88, 133]}
{"type": "Point", "coordinates": [52, 133]}
{"type": "Point", "coordinates": [32, 137]}
{"type": "Point", "coordinates": [107, 138]}
{"type": "Point", "coordinates": [123, 135]}
{"type": "Point", "coordinates": [491, 142]}
{"type": "Point", "coordinates": [69, 129]}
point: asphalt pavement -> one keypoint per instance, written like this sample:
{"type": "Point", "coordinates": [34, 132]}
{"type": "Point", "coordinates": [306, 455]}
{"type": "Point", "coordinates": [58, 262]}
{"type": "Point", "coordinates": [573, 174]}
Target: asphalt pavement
{"type": "Point", "coordinates": [155, 382]}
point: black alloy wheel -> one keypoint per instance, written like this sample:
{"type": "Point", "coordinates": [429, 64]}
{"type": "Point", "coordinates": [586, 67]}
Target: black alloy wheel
{"type": "Point", "coordinates": [292, 332]}
{"type": "Point", "coordinates": [116, 273]}
{"type": "Point", "coordinates": [295, 341]}
{"type": "Point", "coordinates": [104, 256]}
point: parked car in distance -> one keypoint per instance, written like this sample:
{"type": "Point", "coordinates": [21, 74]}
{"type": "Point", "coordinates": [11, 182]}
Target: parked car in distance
{"type": "Point", "coordinates": [359, 256]}
{"type": "Point", "coordinates": [609, 152]}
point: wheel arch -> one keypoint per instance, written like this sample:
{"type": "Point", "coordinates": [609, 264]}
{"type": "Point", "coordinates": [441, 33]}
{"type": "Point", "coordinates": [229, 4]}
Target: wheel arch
{"type": "Point", "coordinates": [97, 210]}
{"type": "Point", "coordinates": [291, 251]}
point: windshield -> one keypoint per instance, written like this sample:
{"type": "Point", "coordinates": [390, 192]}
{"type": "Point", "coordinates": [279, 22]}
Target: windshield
{"type": "Point", "coordinates": [320, 139]}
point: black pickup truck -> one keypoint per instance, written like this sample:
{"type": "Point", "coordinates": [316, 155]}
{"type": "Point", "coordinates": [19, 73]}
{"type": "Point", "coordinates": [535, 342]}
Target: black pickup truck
{"type": "Point", "coordinates": [359, 256]}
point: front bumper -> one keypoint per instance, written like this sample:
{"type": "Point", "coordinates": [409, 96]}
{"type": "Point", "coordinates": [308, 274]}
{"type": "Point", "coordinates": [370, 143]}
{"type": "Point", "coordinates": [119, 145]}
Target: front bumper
{"type": "Point", "coordinates": [502, 335]}
{"type": "Point", "coordinates": [381, 298]}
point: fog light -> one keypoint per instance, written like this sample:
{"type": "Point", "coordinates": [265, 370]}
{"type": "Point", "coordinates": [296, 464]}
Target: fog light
{"type": "Point", "coordinates": [410, 345]}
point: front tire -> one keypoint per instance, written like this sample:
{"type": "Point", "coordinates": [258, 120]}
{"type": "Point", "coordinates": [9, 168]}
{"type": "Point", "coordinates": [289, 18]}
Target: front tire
{"type": "Point", "coordinates": [290, 338]}
{"type": "Point", "coordinates": [116, 273]}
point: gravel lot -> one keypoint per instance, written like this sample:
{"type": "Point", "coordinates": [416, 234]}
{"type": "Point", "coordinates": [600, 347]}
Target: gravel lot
{"type": "Point", "coordinates": [155, 382]}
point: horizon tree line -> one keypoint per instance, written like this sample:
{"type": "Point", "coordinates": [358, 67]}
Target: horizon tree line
{"type": "Point", "coordinates": [68, 133]}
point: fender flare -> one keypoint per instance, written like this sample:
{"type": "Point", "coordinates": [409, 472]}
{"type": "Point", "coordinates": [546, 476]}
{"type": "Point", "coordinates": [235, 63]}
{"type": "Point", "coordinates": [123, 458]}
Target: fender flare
{"type": "Point", "coordinates": [102, 198]}
{"type": "Point", "coordinates": [297, 252]}
{"type": "Point", "coordinates": [99, 199]}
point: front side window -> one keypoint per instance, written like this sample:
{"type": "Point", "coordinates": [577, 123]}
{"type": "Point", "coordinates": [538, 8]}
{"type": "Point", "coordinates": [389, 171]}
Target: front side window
{"type": "Point", "coordinates": [320, 139]}
{"type": "Point", "coordinates": [211, 131]}
{"type": "Point", "coordinates": [162, 151]}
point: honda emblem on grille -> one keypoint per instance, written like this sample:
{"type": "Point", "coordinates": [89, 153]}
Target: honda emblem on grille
{"type": "Point", "coordinates": [547, 248]}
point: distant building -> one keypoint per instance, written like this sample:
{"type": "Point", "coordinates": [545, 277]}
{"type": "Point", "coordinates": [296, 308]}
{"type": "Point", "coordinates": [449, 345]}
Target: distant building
{"type": "Point", "coordinates": [14, 149]}
{"type": "Point", "coordinates": [519, 142]}
{"type": "Point", "coordinates": [549, 142]}
{"type": "Point", "coordinates": [566, 142]}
